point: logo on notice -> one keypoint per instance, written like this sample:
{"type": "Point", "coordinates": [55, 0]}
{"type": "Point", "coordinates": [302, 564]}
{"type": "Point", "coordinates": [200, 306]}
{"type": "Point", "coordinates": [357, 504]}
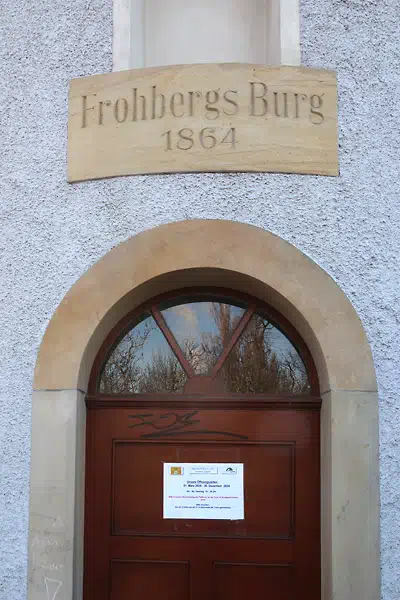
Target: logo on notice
{"type": "Point", "coordinates": [176, 471]}
{"type": "Point", "coordinates": [229, 471]}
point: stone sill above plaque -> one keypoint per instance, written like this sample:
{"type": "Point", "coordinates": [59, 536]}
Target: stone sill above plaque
{"type": "Point", "coordinates": [203, 118]}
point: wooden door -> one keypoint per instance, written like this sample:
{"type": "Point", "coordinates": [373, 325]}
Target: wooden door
{"type": "Point", "coordinates": [133, 553]}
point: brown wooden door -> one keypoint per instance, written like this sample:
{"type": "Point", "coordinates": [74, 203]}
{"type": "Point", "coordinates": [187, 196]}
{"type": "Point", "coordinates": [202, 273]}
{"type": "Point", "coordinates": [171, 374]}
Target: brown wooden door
{"type": "Point", "coordinates": [132, 553]}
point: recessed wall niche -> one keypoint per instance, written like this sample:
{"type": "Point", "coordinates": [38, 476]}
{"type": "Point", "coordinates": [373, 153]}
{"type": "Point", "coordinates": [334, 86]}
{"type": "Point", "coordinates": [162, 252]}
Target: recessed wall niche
{"type": "Point", "coordinates": [150, 33]}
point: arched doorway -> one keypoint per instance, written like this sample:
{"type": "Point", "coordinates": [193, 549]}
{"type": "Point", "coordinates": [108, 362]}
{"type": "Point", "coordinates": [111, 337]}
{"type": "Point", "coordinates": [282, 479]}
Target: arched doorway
{"type": "Point", "coordinates": [213, 382]}
{"type": "Point", "coordinates": [235, 256]}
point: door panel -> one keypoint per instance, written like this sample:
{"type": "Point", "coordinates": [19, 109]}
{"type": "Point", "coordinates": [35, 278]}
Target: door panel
{"type": "Point", "coordinates": [132, 552]}
{"type": "Point", "coordinates": [236, 581]}
{"type": "Point", "coordinates": [149, 580]}
{"type": "Point", "coordinates": [138, 478]}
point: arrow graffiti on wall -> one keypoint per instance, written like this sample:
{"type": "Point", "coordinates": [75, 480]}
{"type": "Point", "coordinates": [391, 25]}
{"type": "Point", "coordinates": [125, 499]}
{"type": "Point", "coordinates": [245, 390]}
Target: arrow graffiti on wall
{"type": "Point", "coordinates": [52, 588]}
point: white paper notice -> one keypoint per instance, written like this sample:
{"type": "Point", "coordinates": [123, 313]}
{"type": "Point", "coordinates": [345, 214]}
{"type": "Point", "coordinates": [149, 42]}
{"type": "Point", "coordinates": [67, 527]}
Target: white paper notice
{"type": "Point", "coordinates": [203, 491]}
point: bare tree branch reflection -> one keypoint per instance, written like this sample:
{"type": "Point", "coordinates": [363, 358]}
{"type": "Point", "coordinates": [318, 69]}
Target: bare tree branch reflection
{"type": "Point", "coordinates": [164, 374]}
{"type": "Point", "coordinates": [254, 366]}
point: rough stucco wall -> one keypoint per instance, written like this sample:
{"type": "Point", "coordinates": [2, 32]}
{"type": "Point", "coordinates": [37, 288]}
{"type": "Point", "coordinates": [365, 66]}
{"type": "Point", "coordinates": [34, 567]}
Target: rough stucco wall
{"type": "Point", "coordinates": [52, 232]}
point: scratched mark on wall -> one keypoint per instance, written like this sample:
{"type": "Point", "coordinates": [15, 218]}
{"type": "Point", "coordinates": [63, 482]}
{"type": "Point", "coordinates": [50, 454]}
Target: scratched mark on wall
{"type": "Point", "coordinates": [48, 547]}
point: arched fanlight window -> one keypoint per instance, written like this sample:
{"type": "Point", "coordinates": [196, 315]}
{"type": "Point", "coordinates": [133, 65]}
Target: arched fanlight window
{"type": "Point", "coordinates": [204, 343]}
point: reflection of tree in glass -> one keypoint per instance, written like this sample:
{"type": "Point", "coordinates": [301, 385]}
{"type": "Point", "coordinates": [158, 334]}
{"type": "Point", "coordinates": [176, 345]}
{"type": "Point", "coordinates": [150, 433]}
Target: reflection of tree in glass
{"type": "Point", "coordinates": [254, 367]}
{"type": "Point", "coordinates": [164, 374]}
{"type": "Point", "coordinates": [255, 364]}
{"type": "Point", "coordinates": [296, 374]}
{"type": "Point", "coordinates": [122, 373]}
{"type": "Point", "coordinates": [139, 365]}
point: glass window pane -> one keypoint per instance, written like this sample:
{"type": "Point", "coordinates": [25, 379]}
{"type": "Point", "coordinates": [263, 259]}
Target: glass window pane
{"type": "Point", "coordinates": [264, 361]}
{"type": "Point", "coordinates": [202, 329]}
{"type": "Point", "coordinates": [142, 362]}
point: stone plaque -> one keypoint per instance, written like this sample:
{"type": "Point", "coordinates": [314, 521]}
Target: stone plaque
{"type": "Point", "coordinates": [214, 117]}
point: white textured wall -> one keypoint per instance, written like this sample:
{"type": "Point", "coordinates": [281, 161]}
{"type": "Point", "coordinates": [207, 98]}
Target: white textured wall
{"type": "Point", "coordinates": [51, 232]}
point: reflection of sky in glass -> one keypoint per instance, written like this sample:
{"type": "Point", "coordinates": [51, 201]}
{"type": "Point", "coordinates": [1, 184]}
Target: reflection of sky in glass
{"type": "Point", "coordinates": [199, 325]}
